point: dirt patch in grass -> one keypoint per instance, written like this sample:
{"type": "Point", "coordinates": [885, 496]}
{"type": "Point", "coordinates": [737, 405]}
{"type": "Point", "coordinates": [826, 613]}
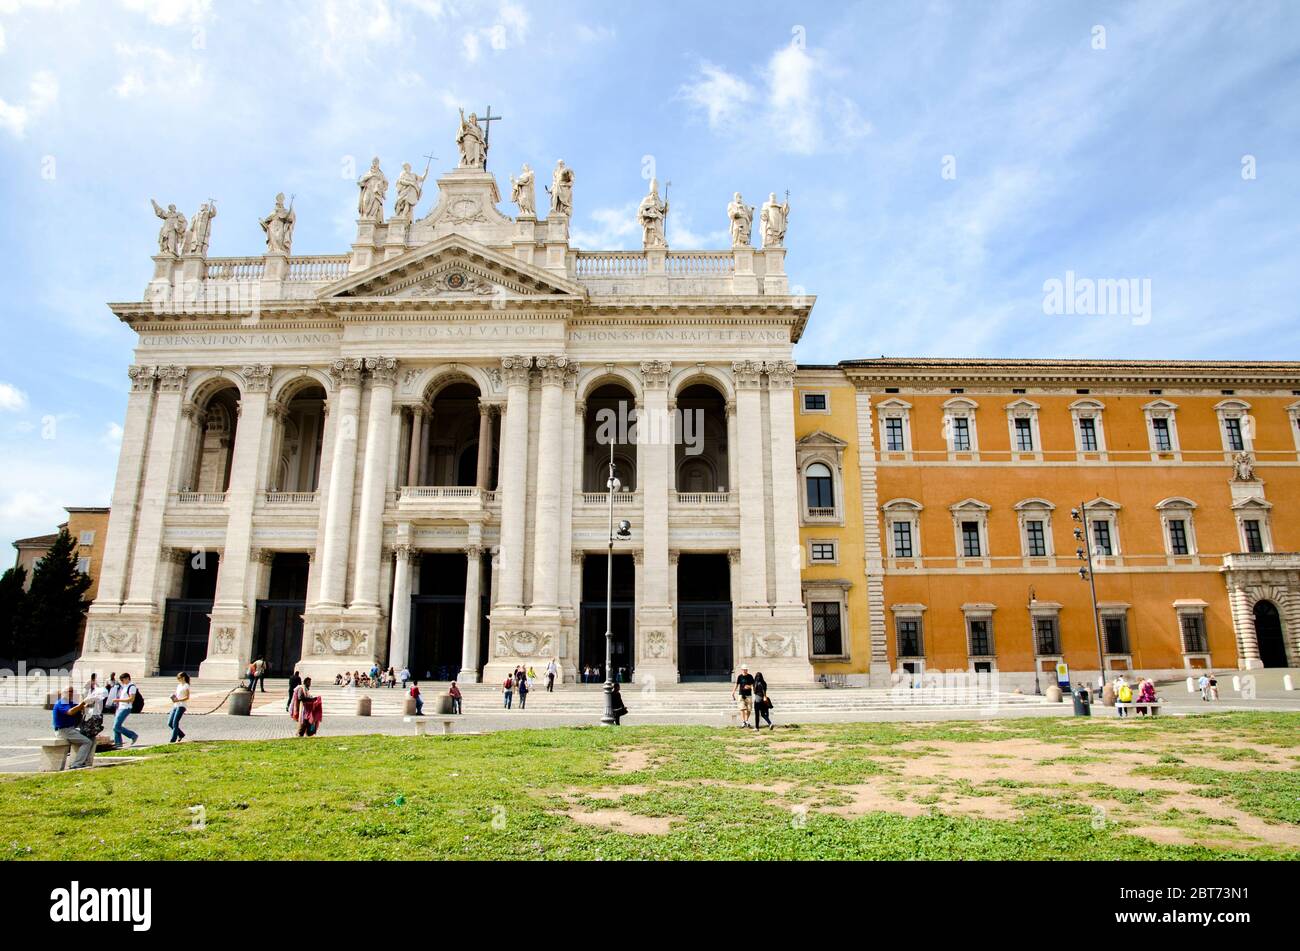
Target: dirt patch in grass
{"type": "Point", "coordinates": [632, 760]}
{"type": "Point", "coordinates": [620, 821]}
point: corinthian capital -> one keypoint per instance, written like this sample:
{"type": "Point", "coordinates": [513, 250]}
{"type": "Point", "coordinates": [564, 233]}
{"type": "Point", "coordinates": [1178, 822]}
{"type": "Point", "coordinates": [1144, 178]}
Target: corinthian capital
{"type": "Point", "coordinates": [553, 369]}
{"type": "Point", "coordinates": [780, 374]}
{"type": "Point", "coordinates": [257, 378]}
{"type": "Point", "coordinates": [346, 372]}
{"type": "Point", "coordinates": [383, 370]}
{"type": "Point", "coordinates": [515, 370]}
{"type": "Point", "coordinates": [748, 373]}
{"type": "Point", "coordinates": [654, 373]}
{"type": "Point", "coordinates": [141, 378]}
{"type": "Point", "coordinates": [171, 379]}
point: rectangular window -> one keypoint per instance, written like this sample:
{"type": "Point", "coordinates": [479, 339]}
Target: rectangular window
{"type": "Point", "coordinates": [1046, 639]}
{"type": "Point", "coordinates": [1193, 626]}
{"type": "Point", "coordinates": [1254, 535]}
{"type": "Point", "coordinates": [814, 402]}
{"type": "Point", "coordinates": [1178, 537]}
{"type": "Point", "coordinates": [1232, 428]}
{"type": "Point", "coordinates": [1088, 434]}
{"type": "Point", "coordinates": [970, 540]}
{"type": "Point", "coordinates": [83, 565]}
{"type": "Point", "coordinates": [1035, 539]}
{"type": "Point", "coordinates": [1101, 540]}
{"type": "Point", "coordinates": [823, 551]}
{"type": "Point", "coordinates": [826, 628]}
{"type": "Point", "coordinates": [1024, 435]}
{"type": "Point", "coordinates": [894, 434]}
{"type": "Point", "coordinates": [87, 538]}
{"type": "Point", "coordinates": [1160, 427]}
{"type": "Point", "coordinates": [903, 540]}
{"type": "Point", "coordinates": [981, 637]}
{"type": "Point", "coordinates": [909, 637]}
{"type": "Point", "coordinates": [1115, 632]}
{"type": "Point", "coordinates": [960, 434]}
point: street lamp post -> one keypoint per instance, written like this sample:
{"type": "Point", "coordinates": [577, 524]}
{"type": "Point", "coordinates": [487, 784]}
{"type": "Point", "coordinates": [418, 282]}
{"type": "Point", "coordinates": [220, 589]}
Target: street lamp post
{"type": "Point", "coordinates": [624, 530]}
{"type": "Point", "coordinates": [1084, 552]}
{"type": "Point", "coordinates": [1033, 636]}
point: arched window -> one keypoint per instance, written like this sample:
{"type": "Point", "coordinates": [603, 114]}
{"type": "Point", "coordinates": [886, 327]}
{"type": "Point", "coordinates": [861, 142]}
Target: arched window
{"type": "Point", "coordinates": [821, 493]}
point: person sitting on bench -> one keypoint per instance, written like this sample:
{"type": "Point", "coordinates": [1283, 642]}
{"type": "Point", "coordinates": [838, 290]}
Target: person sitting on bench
{"type": "Point", "coordinates": [67, 718]}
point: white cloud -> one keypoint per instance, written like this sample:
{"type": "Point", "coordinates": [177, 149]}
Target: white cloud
{"type": "Point", "coordinates": [791, 106]}
{"type": "Point", "coordinates": [112, 437]}
{"type": "Point", "coordinates": [12, 399]}
{"type": "Point", "coordinates": [171, 12]}
{"type": "Point", "coordinates": [42, 92]}
{"type": "Point", "coordinates": [611, 230]}
{"type": "Point", "coordinates": [510, 28]}
{"type": "Point", "coordinates": [153, 70]}
{"type": "Point", "coordinates": [470, 44]}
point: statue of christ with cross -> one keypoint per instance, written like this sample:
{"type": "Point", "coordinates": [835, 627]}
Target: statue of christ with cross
{"type": "Point", "coordinates": [472, 139]}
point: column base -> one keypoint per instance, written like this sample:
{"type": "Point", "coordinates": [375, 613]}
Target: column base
{"type": "Point", "coordinates": [335, 642]}
{"type": "Point", "coordinates": [530, 639]}
{"type": "Point", "coordinates": [469, 676]}
{"type": "Point", "coordinates": [775, 643]}
{"type": "Point", "coordinates": [116, 641]}
{"type": "Point", "coordinates": [230, 645]}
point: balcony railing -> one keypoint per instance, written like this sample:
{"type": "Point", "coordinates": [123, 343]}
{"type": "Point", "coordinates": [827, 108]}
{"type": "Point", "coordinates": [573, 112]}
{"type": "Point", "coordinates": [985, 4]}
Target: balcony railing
{"type": "Point", "coordinates": [457, 493]}
{"type": "Point", "coordinates": [320, 268]}
{"type": "Point", "coordinates": [289, 498]}
{"type": "Point", "coordinates": [703, 498]}
{"type": "Point", "coordinates": [602, 498]}
{"type": "Point", "coordinates": [610, 264]}
{"type": "Point", "coordinates": [716, 263]}
{"type": "Point", "coordinates": [201, 498]}
{"type": "Point", "coordinates": [821, 512]}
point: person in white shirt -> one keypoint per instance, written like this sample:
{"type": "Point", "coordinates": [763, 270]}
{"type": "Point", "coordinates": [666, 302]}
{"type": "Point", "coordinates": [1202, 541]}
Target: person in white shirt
{"type": "Point", "coordinates": [180, 700]}
{"type": "Point", "coordinates": [126, 692]}
{"type": "Point", "coordinates": [551, 671]}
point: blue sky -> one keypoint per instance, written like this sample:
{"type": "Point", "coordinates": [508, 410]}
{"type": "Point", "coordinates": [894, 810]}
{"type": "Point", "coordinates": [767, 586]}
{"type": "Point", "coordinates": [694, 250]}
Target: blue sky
{"type": "Point", "coordinates": [1117, 162]}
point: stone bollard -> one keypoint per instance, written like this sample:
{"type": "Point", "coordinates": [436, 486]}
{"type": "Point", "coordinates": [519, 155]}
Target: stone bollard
{"type": "Point", "coordinates": [1191, 685]}
{"type": "Point", "coordinates": [443, 703]}
{"type": "Point", "coordinates": [1287, 682]}
{"type": "Point", "coordinates": [240, 702]}
{"type": "Point", "coordinates": [1108, 695]}
{"type": "Point", "coordinates": [363, 706]}
{"type": "Point", "coordinates": [1236, 684]}
{"type": "Point", "coordinates": [408, 707]}
{"type": "Point", "coordinates": [1053, 694]}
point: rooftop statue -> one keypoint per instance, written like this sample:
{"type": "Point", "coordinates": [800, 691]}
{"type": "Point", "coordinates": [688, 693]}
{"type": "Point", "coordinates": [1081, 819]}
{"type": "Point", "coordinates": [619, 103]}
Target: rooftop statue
{"type": "Point", "coordinates": [409, 188]}
{"type": "Point", "coordinates": [278, 226]}
{"type": "Point", "coordinates": [561, 189]}
{"type": "Point", "coordinates": [774, 217]}
{"type": "Point", "coordinates": [374, 191]}
{"type": "Point", "coordinates": [653, 215]}
{"type": "Point", "coordinates": [472, 142]}
{"type": "Point", "coordinates": [742, 221]}
{"type": "Point", "coordinates": [200, 230]}
{"type": "Point", "coordinates": [171, 236]}
{"type": "Point", "coordinates": [523, 191]}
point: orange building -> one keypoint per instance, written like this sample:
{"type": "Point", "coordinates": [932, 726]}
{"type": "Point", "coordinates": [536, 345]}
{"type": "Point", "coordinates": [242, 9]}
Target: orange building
{"type": "Point", "coordinates": [959, 490]}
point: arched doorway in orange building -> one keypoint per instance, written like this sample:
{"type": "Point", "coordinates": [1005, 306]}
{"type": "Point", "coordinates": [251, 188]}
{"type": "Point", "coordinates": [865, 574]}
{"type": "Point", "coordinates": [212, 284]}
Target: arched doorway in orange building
{"type": "Point", "coordinates": [1268, 635]}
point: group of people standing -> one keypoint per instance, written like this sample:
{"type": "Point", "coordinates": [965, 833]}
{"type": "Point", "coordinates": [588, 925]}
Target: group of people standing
{"type": "Point", "coordinates": [755, 703]}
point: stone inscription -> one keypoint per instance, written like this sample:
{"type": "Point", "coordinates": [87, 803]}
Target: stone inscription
{"type": "Point", "coordinates": [238, 340]}
{"type": "Point", "coordinates": [676, 335]}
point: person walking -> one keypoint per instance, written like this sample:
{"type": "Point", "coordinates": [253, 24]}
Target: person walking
{"type": "Point", "coordinates": [1204, 684]}
{"type": "Point", "coordinates": [260, 669]}
{"type": "Point", "coordinates": [295, 679]}
{"type": "Point", "coordinates": [617, 706]}
{"type": "Point", "coordinates": [1214, 687]}
{"type": "Point", "coordinates": [762, 702]}
{"type": "Point", "coordinates": [250, 674]}
{"type": "Point", "coordinates": [67, 718]}
{"type": "Point", "coordinates": [126, 694]}
{"type": "Point", "coordinates": [508, 691]}
{"type": "Point", "coordinates": [404, 677]}
{"type": "Point", "coordinates": [180, 700]}
{"type": "Point", "coordinates": [454, 692]}
{"type": "Point", "coordinates": [524, 685]}
{"type": "Point", "coordinates": [551, 671]}
{"type": "Point", "coordinates": [745, 689]}
{"type": "Point", "coordinates": [306, 709]}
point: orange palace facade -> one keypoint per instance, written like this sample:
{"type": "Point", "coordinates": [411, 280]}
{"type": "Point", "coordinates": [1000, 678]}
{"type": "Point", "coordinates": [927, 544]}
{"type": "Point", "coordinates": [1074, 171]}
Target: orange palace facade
{"type": "Point", "coordinates": [937, 516]}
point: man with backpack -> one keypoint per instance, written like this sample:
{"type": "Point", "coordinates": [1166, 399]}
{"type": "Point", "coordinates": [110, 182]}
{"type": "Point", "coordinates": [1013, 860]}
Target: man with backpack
{"type": "Point", "coordinates": [129, 701]}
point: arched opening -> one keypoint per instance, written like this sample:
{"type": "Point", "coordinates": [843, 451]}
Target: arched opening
{"type": "Point", "coordinates": [820, 486]}
{"type": "Point", "coordinates": [212, 441]}
{"type": "Point", "coordinates": [700, 454]}
{"type": "Point", "coordinates": [296, 465]}
{"type": "Point", "coordinates": [447, 450]}
{"type": "Point", "coordinates": [611, 410]}
{"type": "Point", "coordinates": [1268, 635]}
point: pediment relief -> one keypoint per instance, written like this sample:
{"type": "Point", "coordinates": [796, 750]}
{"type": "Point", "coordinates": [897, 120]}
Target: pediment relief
{"type": "Point", "coordinates": [456, 280]}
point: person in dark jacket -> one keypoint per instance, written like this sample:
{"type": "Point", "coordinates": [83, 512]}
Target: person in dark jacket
{"type": "Point", "coordinates": [761, 703]}
{"type": "Point", "coordinates": [617, 705]}
{"type": "Point", "coordinates": [294, 683]}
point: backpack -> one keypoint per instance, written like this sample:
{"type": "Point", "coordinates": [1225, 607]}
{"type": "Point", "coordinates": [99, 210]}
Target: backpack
{"type": "Point", "coordinates": [1125, 693]}
{"type": "Point", "coordinates": [137, 701]}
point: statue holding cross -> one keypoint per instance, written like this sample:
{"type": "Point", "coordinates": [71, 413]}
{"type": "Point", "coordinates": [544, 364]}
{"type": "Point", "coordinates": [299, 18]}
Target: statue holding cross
{"type": "Point", "coordinates": [472, 142]}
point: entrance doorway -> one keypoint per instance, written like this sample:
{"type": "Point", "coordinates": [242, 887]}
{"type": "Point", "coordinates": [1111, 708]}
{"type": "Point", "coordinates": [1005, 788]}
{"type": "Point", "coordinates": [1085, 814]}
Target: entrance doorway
{"type": "Point", "coordinates": [591, 626]}
{"type": "Point", "coordinates": [1268, 635]}
{"type": "Point", "coordinates": [277, 637]}
{"type": "Point", "coordinates": [704, 646]}
{"type": "Point", "coordinates": [185, 619]}
{"type": "Point", "coordinates": [438, 618]}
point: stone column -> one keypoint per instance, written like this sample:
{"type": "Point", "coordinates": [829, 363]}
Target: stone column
{"type": "Point", "coordinates": [399, 645]}
{"type": "Point", "coordinates": [418, 444]}
{"type": "Point", "coordinates": [334, 545]}
{"type": "Point", "coordinates": [514, 481]}
{"type": "Point", "coordinates": [784, 489]}
{"type": "Point", "coordinates": [473, 615]}
{"type": "Point", "coordinates": [485, 411]}
{"type": "Point", "coordinates": [1243, 615]}
{"type": "Point", "coordinates": [732, 453]}
{"type": "Point", "coordinates": [752, 492]}
{"type": "Point", "coordinates": [146, 556]}
{"type": "Point", "coordinates": [370, 531]}
{"type": "Point", "coordinates": [655, 455]}
{"type": "Point", "coordinates": [126, 503]}
{"type": "Point", "coordinates": [231, 612]}
{"type": "Point", "coordinates": [550, 459]}
{"type": "Point", "coordinates": [426, 434]}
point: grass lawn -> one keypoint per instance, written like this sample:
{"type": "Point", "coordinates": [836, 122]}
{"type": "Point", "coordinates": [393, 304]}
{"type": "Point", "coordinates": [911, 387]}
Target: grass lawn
{"type": "Point", "coordinates": [1215, 786]}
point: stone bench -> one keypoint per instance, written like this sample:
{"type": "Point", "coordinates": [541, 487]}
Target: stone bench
{"type": "Point", "coordinates": [54, 752]}
{"type": "Point", "coordinates": [422, 724]}
{"type": "Point", "coordinates": [1154, 708]}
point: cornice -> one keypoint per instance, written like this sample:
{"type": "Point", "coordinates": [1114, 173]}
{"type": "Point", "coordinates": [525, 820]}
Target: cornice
{"type": "Point", "coordinates": [921, 372]}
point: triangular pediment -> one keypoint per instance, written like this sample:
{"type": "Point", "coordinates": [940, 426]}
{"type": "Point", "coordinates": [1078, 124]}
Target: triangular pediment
{"type": "Point", "coordinates": [454, 268]}
{"type": "Point", "coordinates": [822, 438]}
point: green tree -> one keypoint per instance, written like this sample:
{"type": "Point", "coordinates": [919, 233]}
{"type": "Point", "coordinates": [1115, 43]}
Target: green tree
{"type": "Point", "coordinates": [13, 607]}
{"type": "Point", "coordinates": [55, 602]}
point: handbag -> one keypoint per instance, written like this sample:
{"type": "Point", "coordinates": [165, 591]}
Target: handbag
{"type": "Point", "coordinates": [91, 726]}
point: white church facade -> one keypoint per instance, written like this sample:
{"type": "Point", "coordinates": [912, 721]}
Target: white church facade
{"type": "Point", "coordinates": [396, 455]}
